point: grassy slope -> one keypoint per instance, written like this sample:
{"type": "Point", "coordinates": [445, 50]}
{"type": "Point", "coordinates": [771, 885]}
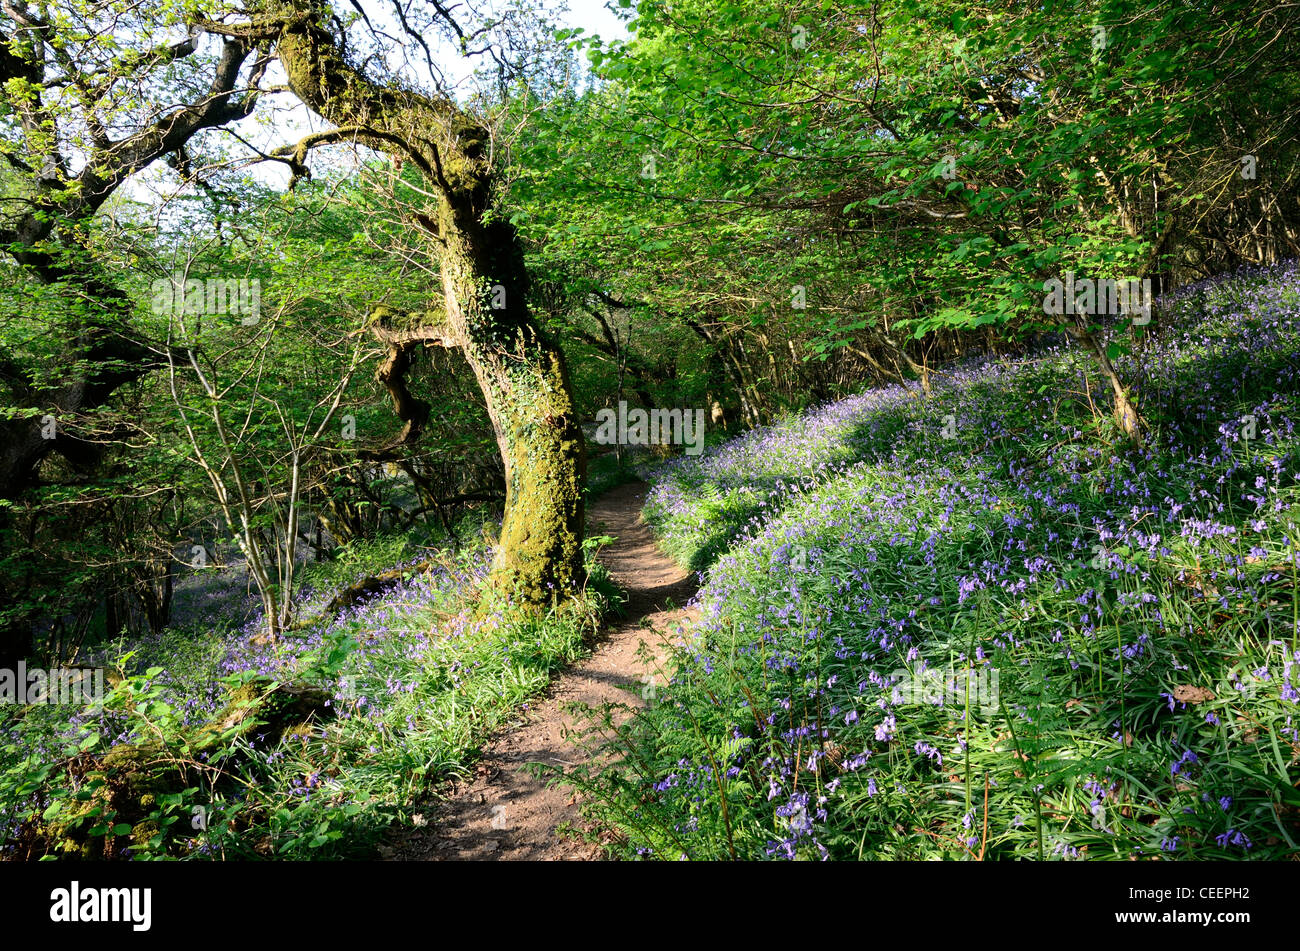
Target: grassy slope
{"type": "Point", "coordinates": [1021, 641]}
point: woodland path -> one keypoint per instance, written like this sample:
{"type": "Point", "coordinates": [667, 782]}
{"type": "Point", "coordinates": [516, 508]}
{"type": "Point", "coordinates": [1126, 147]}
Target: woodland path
{"type": "Point", "coordinates": [505, 812]}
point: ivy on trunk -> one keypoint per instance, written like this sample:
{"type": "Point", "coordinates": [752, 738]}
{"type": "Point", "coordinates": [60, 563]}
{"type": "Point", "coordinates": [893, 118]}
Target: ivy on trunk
{"type": "Point", "coordinates": [519, 368]}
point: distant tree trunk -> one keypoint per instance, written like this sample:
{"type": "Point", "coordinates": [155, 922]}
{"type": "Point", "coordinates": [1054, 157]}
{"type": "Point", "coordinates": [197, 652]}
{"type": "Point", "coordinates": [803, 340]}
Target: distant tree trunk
{"type": "Point", "coordinates": [156, 596]}
{"type": "Point", "coordinates": [730, 355]}
{"type": "Point", "coordinates": [112, 615]}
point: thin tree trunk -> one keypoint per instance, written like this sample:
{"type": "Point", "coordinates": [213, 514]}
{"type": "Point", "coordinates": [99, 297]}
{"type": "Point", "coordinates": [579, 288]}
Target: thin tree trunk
{"type": "Point", "coordinates": [1126, 415]}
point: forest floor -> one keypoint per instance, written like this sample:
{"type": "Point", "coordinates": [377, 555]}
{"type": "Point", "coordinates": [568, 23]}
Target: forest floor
{"type": "Point", "coordinates": [507, 812]}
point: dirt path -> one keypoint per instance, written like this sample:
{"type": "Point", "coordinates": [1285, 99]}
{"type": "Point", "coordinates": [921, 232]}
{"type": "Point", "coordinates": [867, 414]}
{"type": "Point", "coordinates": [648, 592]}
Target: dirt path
{"type": "Point", "coordinates": [506, 813]}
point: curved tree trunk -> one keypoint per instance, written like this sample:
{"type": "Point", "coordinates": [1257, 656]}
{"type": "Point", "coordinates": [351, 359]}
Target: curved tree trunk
{"type": "Point", "coordinates": [1126, 416]}
{"type": "Point", "coordinates": [530, 400]}
{"type": "Point", "coordinates": [520, 370]}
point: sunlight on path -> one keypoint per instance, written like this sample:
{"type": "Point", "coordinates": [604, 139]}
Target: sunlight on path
{"type": "Point", "coordinates": [506, 813]}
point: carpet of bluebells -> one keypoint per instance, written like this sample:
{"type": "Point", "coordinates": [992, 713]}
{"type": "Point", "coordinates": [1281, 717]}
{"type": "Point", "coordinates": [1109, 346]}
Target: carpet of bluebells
{"type": "Point", "coordinates": [416, 678]}
{"type": "Point", "coordinates": [978, 624]}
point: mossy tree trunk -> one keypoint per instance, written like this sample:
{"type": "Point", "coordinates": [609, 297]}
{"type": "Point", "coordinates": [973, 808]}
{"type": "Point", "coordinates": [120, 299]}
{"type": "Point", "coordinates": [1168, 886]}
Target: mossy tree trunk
{"type": "Point", "coordinates": [520, 370]}
{"type": "Point", "coordinates": [530, 401]}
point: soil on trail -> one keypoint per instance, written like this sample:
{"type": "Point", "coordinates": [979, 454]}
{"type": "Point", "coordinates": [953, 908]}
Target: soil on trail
{"type": "Point", "coordinates": [505, 812]}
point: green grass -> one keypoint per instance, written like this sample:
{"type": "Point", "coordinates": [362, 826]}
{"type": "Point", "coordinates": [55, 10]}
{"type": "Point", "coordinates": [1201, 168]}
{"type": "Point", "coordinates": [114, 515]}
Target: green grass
{"type": "Point", "coordinates": [416, 681]}
{"type": "Point", "coordinates": [1137, 606]}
